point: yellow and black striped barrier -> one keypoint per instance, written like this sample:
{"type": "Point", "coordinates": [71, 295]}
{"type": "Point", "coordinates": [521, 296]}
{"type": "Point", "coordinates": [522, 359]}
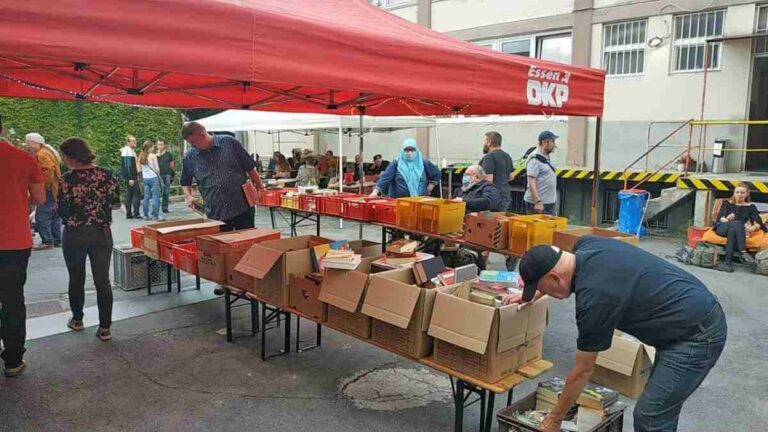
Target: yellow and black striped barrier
{"type": "Point", "coordinates": [720, 185]}
{"type": "Point", "coordinates": [585, 174]}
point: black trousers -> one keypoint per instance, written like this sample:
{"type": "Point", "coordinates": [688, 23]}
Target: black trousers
{"type": "Point", "coordinates": [94, 243]}
{"type": "Point", "coordinates": [244, 221]}
{"type": "Point", "coordinates": [736, 233]}
{"type": "Point", "coordinates": [13, 313]}
{"type": "Point", "coordinates": [132, 198]}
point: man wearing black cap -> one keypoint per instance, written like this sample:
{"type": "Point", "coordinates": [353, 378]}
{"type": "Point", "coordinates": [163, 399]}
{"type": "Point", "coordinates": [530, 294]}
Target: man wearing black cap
{"type": "Point", "coordinates": [620, 286]}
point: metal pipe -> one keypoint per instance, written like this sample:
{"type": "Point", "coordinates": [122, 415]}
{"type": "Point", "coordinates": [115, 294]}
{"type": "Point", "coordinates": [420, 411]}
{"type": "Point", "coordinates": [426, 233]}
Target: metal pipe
{"type": "Point", "coordinates": [652, 149]}
{"type": "Point", "coordinates": [703, 101]}
{"type": "Point", "coordinates": [596, 168]}
{"type": "Point", "coordinates": [361, 109]}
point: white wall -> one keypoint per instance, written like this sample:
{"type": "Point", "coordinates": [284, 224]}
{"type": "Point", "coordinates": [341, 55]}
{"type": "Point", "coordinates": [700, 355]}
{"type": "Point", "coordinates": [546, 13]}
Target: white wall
{"type": "Point", "coordinates": [409, 13]}
{"type": "Point", "coordinates": [662, 95]}
{"type": "Point", "coordinates": [451, 15]}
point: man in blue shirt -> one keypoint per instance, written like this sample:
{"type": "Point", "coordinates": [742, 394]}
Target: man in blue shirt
{"type": "Point", "coordinates": [221, 166]}
{"type": "Point", "coordinates": [620, 286]}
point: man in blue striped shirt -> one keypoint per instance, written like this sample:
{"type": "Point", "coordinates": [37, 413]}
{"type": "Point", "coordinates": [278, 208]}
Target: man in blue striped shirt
{"type": "Point", "coordinates": [221, 166]}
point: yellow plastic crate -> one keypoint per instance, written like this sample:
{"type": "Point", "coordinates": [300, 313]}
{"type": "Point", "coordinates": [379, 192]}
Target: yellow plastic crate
{"type": "Point", "coordinates": [289, 202]}
{"type": "Point", "coordinates": [407, 212]}
{"type": "Point", "coordinates": [528, 231]}
{"type": "Point", "coordinates": [441, 216]}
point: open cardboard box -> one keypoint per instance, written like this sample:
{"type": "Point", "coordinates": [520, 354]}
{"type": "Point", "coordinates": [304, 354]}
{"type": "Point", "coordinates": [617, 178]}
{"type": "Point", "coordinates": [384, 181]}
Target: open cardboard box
{"type": "Point", "coordinates": [401, 312]}
{"type": "Point", "coordinates": [485, 342]}
{"type": "Point", "coordinates": [272, 262]}
{"type": "Point", "coordinates": [492, 232]}
{"type": "Point", "coordinates": [344, 291]}
{"type": "Point", "coordinates": [566, 239]}
{"type": "Point", "coordinates": [625, 366]}
{"type": "Point", "coordinates": [366, 248]}
{"type": "Point", "coordinates": [176, 231]}
{"type": "Point", "coordinates": [217, 255]}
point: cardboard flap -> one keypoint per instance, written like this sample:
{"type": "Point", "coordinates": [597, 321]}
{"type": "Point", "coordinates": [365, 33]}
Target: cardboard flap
{"type": "Point", "coordinates": [651, 352]}
{"type": "Point", "coordinates": [258, 261]}
{"type": "Point", "coordinates": [621, 356]}
{"type": "Point", "coordinates": [461, 322]}
{"type": "Point", "coordinates": [513, 325]}
{"type": "Point", "coordinates": [343, 289]}
{"type": "Point", "coordinates": [392, 297]}
{"type": "Point", "coordinates": [537, 322]}
{"type": "Point", "coordinates": [172, 229]}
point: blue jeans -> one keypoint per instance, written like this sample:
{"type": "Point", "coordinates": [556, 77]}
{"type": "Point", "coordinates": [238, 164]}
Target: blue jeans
{"type": "Point", "coordinates": [47, 220]}
{"type": "Point", "coordinates": [677, 372]}
{"type": "Point", "coordinates": [152, 189]}
{"type": "Point", "coordinates": [166, 192]}
{"type": "Point", "coordinates": [549, 209]}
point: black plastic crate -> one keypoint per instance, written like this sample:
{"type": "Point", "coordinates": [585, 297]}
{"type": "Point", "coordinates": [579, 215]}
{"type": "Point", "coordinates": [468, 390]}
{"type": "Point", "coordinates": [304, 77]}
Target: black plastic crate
{"type": "Point", "coordinates": [130, 269]}
{"type": "Point", "coordinates": [508, 422]}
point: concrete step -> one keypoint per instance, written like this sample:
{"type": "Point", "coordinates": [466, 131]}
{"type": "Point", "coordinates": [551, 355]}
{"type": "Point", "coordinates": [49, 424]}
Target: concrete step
{"type": "Point", "coordinates": [669, 199]}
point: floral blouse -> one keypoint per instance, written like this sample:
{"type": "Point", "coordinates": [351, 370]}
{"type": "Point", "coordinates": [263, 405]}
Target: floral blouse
{"type": "Point", "coordinates": [86, 197]}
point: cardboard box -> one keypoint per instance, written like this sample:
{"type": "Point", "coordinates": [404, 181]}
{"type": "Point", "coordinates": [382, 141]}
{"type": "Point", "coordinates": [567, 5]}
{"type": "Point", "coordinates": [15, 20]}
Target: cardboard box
{"type": "Point", "coordinates": [485, 342]}
{"type": "Point", "coordinates": [217, 255]}
{"type": "Point", "coordinates": [401, 312]}
{"type": "Point", "coordinates": [344, 291]}
{"type": "Point", "coordinates": [625, 366]}
{"type": "Point", "coordinates": [365, 248]}
{"type": "Point", "coordinates": [533, 350]}
{"type": "Point", "coordinates": [490, 232]}
{"type": "Point", "coordinates": [566, 239]}
{"type": "Point", "coordinates": [176, 231]}
{"type": "Point", "coordinates": [272, 262]}
{"type": "Point", "coordinates": [303, 296]}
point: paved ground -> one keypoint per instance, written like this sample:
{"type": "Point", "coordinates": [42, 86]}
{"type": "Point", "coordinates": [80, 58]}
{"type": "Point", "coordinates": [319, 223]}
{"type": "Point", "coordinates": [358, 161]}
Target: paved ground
{"type": "Point", "coordinates": [173, 370]}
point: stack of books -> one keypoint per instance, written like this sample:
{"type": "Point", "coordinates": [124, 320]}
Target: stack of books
{"type": "Point", "coordinates": [594, 404]}
{"type": "Point", "coordinates": [341, 259]}
{"type": "Point", "coordinates": [319, 252]}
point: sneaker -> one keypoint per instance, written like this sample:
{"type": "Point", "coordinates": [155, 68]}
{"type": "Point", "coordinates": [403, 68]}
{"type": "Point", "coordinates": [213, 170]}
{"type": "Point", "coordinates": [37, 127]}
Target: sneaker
{"type": "Point", "coordinates": [76, 325]}
{"type": "Point", "coordinates": [129, 217]}
{"type": "Point", "coordinates": [166, 211]}
{"type": "Point", "coordinates": [218, 290]}
{"type": "Point", "coordinates": [43, 247]}
{"type": "Point", "coordinates": [103, 334]}
{"type": "Point", "coordinates": [138, 217]}
{"type": "Point", "coordinates": [14, 371]}
{"type": "Point", "coordinates": [724, 267]}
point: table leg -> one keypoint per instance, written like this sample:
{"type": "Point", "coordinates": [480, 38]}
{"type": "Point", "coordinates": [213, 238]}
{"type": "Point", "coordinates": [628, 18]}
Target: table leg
{"type": "Point", "coordinates": [488, 412]}
{"type": "Point", "coordinates": [149, 276]}
{"type": "Point", "coordinates": [287, 333]}
{"type": "Point", "coordinates": [272, 217]}
{"type": "Point", "coordinates": [383, 240]}
{"type": "Point", "coordinates": [228, 314]}
{"type": "Point", "coordinates": [458, 400]}
{"type": "Point", "coordinates": [298, 332]}
{"type": "Point", "coordinates": [509, 396]}
{"type": "Point", "coordinates": [197, 282]}
{"type": "Point", "coordinates": [482, 409]}
{"type": "Point", "coordinates": [169, 279]}
{"type": "Point", "coordinates": [319, 334]}
{"type": "Point", "coordinates": [317, 223]}
{"type": "Point", "coordinates": [178, 280]}
{"type": "Point", "coordinates": [254, 317]}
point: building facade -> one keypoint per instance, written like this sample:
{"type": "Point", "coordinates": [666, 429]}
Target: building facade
{"type": "Point", "coordinates": [653, 53]}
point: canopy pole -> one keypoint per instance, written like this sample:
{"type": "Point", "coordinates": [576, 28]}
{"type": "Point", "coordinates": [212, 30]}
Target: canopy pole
{"type": "Point", "coordinates": [338, 166]}
{"type": "Point", "coordinates": [596, 179]}
{"type": "Point", "coordinates": [440, 162]}
{"type": "Point", "coordinates": [361, 109]}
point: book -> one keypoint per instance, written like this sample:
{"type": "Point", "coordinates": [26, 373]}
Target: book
{"type": "Point", "coordinates": [426, 270]}
{"type": "Point", "coordinates": [318, 252]}
{"type": "Point", "coordinates": [447, 277]}
{"type": "Point", "coordinates": [403, 247]}
{"type": "Point", "coordinates": [393, 263]}
{"type": "Point", "coordinates": [341, 259]}
{"type": "Point", "coordinates": [465, 273]}
{"type": "Point", "coordinates": [597, 397]}
{"type": "Point", "coordinates": [499, 277]}
{"type": "Point", "coordinates": [484, 298]}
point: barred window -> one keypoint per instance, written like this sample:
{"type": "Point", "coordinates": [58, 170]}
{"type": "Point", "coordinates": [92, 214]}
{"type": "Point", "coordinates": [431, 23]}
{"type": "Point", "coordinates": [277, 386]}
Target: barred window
{"type": "Point", "coordinates": [624, 48]}
{"type": "Point", "coordinates": [761, 43]}
{"type": "Point", "coordinates": [691, 34]}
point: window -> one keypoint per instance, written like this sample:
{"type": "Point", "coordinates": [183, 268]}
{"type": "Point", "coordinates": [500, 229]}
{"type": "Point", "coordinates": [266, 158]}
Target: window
{"type": "Point", "coordinates": [556, 48]}
{"type": "Point", "coordinates": [690, 36]}
{"type": "Point", "coordinates": [761, 43]}
{"type": "Point", "coordinates": [624, 48]}
{"type": "Point", "coordinates": [549, 47]}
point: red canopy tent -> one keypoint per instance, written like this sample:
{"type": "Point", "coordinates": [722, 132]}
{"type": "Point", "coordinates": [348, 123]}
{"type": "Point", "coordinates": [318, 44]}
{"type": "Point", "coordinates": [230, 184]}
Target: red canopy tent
{"type": "Point", "coordinates": [330, 56]}
{"type": "Point", "coordinates": [278, 55]}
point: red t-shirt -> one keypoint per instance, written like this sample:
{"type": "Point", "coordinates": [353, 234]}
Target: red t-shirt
{"type": "Point", "coordinates": [20, 169]}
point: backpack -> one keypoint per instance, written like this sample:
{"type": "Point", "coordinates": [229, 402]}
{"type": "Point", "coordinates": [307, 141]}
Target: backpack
{"type": "Point", "coordinates": [761, 262]}
{"type": "Point", "coordinates": [705, 255]}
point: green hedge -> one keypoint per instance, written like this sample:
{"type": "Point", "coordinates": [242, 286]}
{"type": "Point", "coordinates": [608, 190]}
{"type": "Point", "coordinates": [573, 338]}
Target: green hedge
{"type": "Point", "coordinates": [103, 125]}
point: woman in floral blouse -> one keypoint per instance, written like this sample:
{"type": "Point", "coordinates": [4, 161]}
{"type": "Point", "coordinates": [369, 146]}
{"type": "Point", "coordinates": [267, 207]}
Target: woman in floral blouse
{"type": "Point", "coordinates": [85, 206]}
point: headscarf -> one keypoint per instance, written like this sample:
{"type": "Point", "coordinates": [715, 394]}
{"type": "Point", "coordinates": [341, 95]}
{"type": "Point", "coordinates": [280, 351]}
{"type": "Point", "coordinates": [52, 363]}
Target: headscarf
{"type": "Point", "coordinates": [413, 169]}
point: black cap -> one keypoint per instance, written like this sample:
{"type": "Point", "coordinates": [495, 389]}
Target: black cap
{"type": "Point", "coordinates": [537, 262]}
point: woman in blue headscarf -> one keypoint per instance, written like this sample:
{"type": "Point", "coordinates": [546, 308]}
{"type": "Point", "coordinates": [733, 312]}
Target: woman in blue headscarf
{"type": "Point", "coordinates": [408, 175]}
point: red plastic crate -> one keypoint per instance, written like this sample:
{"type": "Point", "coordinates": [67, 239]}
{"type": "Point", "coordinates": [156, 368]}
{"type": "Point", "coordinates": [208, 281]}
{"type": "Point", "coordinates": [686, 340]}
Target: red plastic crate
{"type": "Point", "coordinates": [271, 197]}
{"type": "Point", "coordinates": [165, 251]}
{"type": "Point", "coordinates": [384, 211]}
{"type": "Point", "coordinates": [311, 203]}
{"type": "Point", "coordinates": [332, 203]}
{"type": "Point", "coordinates": [185, 257]}
{"type": "Point", "coordinates": [357, 209]}
{"type": "Point", "coordinates": [696, 234]}
{"type": "Point", "coordinates": [137, 237]}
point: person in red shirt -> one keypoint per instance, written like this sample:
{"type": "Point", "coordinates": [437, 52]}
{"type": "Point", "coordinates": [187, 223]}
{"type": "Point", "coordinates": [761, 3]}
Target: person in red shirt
{"type": "Point", "coordinates": [23, 184]}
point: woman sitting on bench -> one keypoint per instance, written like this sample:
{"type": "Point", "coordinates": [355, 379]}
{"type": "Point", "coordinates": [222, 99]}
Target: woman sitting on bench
{"type": "Point", "coordinates": [737, 219]}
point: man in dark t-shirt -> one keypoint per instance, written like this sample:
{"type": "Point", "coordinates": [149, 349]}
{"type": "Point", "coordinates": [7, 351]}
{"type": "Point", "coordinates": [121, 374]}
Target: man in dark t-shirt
{"type": "Point", "coordinates": [497, 165]}
{"type": "Point", "coordinates": [620, 286]}
{"type": "Point", "coordinates": [165, 160]}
